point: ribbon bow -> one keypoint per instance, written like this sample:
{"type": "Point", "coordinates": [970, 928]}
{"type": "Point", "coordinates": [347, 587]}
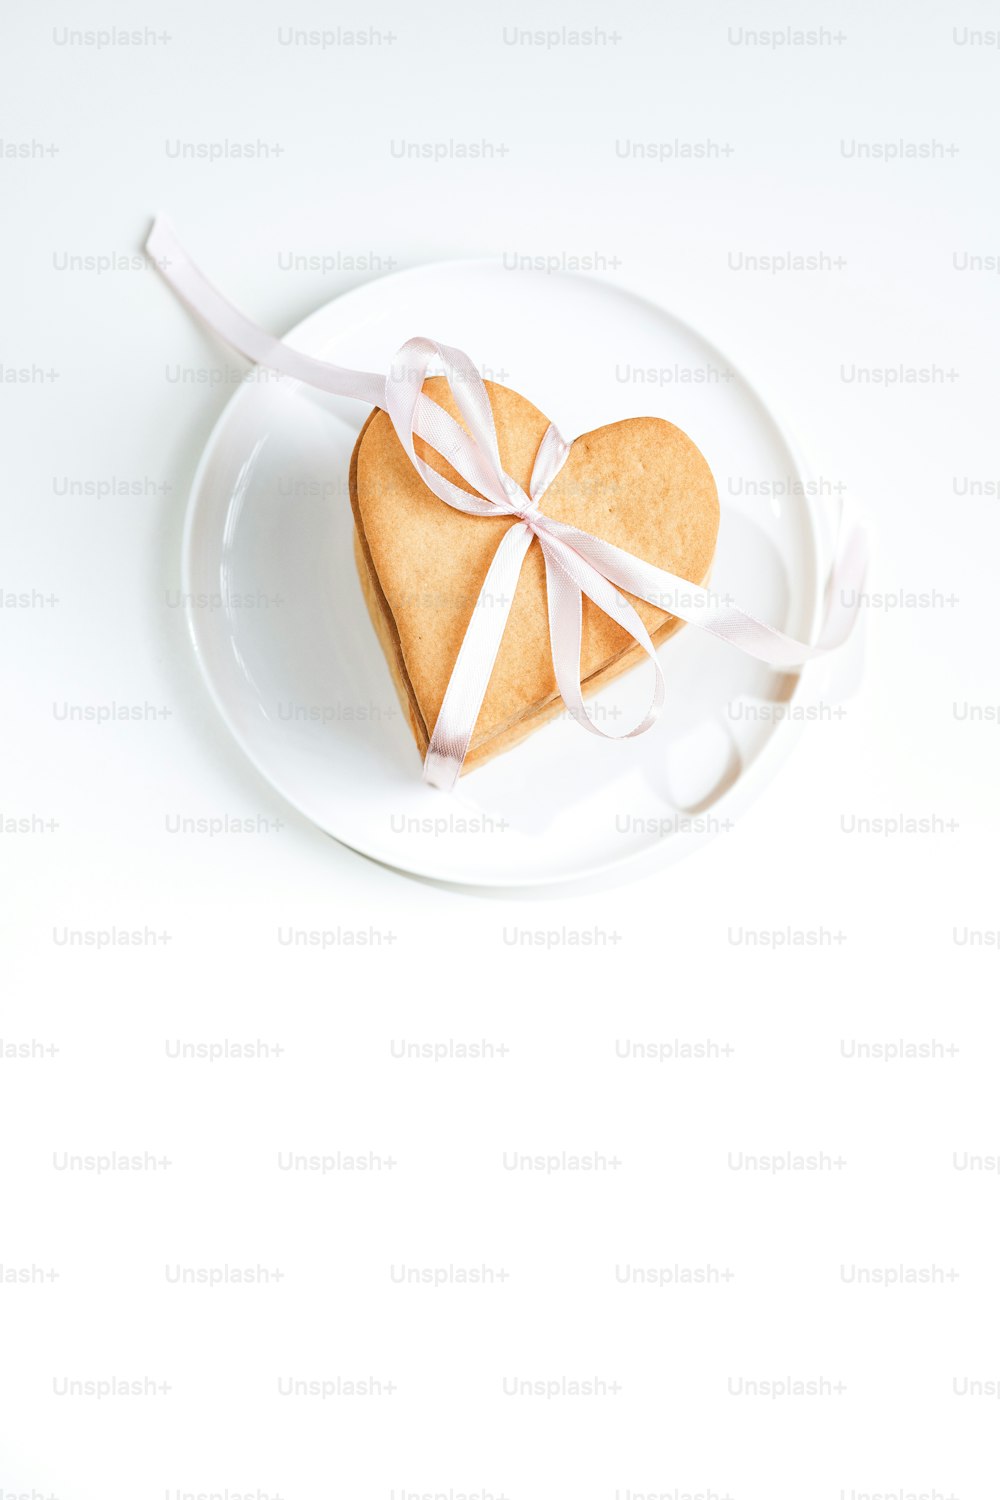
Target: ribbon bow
{"type": "Point", "coordinates": [576, 563]}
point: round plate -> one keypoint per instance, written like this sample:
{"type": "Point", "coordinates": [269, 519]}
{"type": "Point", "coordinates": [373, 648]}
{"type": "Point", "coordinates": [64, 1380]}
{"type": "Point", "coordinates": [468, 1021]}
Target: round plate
{"type": "Point", "coordinates": [290, 657]}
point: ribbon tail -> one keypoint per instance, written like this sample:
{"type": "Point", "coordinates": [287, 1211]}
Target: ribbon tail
{"type": "Point", "coordinates": [847, 579]}
{"type": "Point", "coordinates": [430, 421]}
{"type": "Point", "coordinates": [567, 578]}
{"type": "Point", "coordinates": [456, 720]}
{"type": "Point", "coordinates": [726, 620]}
{"type": "Point", "coordinates": [243, 335]}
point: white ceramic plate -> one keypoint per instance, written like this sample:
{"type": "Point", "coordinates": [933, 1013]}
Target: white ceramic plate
{"type": "Point", "coordinates": [290, 657]}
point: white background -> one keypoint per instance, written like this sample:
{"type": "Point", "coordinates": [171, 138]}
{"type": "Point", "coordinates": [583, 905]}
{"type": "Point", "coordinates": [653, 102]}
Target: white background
{"type": "Point", "coordinates": [908, 1132]}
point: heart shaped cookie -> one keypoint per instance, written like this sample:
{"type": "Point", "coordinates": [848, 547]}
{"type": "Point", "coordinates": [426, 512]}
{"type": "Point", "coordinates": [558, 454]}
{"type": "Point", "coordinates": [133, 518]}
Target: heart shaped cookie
{"type": "Point", "coordinates": [641, 484]}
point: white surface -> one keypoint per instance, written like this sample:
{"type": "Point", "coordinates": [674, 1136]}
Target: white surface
{"type": "Point", "coordinates": [280, 628]}
{"type": "Point", "coordinates": [668, 969]}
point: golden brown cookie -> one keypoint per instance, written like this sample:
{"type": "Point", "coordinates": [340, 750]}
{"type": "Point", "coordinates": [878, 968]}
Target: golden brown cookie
{"type": "Point", "coordinates": [641, 484]}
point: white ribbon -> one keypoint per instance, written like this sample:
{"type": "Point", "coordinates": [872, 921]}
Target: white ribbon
{"type": "Point", "coordinates": [576, 563]}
